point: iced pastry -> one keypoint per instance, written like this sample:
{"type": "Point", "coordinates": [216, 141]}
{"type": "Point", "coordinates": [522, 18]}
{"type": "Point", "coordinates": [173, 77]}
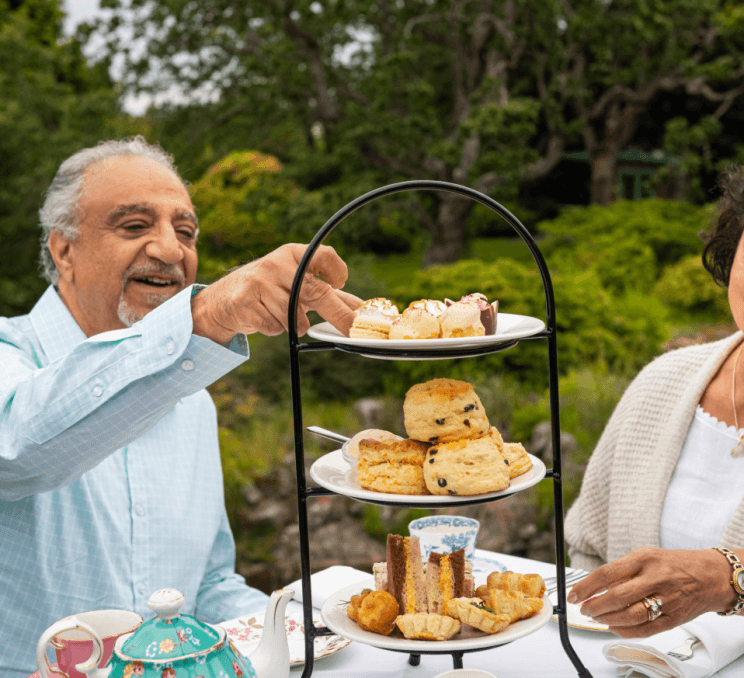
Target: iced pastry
{"type": "Point", "coordinates": [489, 312]}
{"type": "Point", "coordinates": [462, 319]}
{"type": "Point", "coordinates": [434, 306]}
{"type": "Point", "coordinates": [415, 323]}
{"type": "Point", "coordinates": [374, 319]}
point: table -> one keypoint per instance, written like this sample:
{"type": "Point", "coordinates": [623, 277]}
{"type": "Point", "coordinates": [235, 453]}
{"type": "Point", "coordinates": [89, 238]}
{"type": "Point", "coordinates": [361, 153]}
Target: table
{"type": "Point", "coordinates": [538, 655]}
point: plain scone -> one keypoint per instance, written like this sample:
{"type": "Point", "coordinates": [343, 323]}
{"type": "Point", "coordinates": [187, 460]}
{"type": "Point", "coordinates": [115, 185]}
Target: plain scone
{"type": "Point", "coordinates": [443, 410]}
{"type": "Point", "coordinates": [394, 466]}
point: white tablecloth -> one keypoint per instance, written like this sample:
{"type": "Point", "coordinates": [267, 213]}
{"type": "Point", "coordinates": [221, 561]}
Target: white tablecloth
{"type": "Point", "coordinates": [538, 655]}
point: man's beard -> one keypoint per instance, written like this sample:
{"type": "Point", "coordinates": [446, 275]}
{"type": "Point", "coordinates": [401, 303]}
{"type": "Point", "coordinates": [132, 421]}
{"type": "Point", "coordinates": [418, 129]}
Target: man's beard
{"type": "Point", "coordinates": [126, 314]}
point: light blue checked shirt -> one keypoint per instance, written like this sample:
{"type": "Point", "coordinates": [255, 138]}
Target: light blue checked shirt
{"type": "Point", "coordinates": [110, 476]}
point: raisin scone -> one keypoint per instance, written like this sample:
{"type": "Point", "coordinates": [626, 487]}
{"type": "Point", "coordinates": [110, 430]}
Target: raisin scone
{"type": "Point", "coordinates": [423, 626]}
{"type": "Point", "coordinates": [393, 466]}
{"type": "Point", "coordinates": [443, 410]}
{"type": "Point", "coordinates": [465, 467]}
{"type": "Point", "coordinates": [515, 456]}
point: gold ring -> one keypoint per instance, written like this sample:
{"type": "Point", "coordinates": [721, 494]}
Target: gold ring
{"type": "Point", "coordinates": [653, 607]}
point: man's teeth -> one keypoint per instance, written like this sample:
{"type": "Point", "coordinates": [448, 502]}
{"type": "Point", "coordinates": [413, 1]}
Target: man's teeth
{"type": "Point", "coordinates": [155, 281]}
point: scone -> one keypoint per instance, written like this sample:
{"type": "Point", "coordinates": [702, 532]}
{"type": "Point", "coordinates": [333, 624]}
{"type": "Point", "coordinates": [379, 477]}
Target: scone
{"type": "Point", "coordinates": [443, 410]}
{"type": "Point", "coordinates": [415, 323]}
{"type": "Point", "coordinates": [465, 467]}
{"type": "Point", "coordinates": [393, 466]}
{"type": "Point", "coordinates": [517, 458]}
{"type": "Point", "coordinates": [474, 612]}
{"type": "Point", "coordinates": [427, 626]}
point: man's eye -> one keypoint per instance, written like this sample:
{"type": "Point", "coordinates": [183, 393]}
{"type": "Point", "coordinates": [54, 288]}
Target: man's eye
{"type": "Point", "coordinates": [187, 232]}
{"type": "Point", "coordinates": [138, 226]}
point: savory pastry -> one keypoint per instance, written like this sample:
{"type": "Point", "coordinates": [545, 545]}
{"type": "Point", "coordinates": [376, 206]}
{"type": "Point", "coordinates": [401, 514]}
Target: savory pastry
{"type": "Point", "coordinates": [465, 467]}
{"type": "Point", "coordinates": [405, 573]}
{"type": "Point", "coordinates": [517, 458]}
{"type": "Point", "coordinates": [373, 319]}
{"type": "Point", "coordinates": [374, 611]}
{"type": "Point", "coordinates": [394, 466]}
{"type": "Point", "coordinates": [514, 604]}
{"type": "Point", "coordinates": [442, 410]}
{"type": "Point", "coordinates": [415, 323]}
{"type": "Point", "coordinates": [434, 306]}
{"type": "Point", "coordinates": [427, 626]}
{"type": "Point", "coordinates": [462, 319]}
{"type": "Point", "coordinates": [474, 612]}
{"type": "Point", "coordinates": [531, 585]}
{"type": "Point", "coordinates": [446, 578]}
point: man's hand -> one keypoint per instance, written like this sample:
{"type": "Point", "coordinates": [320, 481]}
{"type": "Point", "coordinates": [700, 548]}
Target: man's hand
{"type": "Point", "coordinates": [255, 297]}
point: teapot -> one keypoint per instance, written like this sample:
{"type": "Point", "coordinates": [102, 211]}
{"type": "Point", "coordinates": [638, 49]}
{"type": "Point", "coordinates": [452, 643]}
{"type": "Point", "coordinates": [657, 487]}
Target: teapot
{"type": "Point", "coordinates": [178, 646]}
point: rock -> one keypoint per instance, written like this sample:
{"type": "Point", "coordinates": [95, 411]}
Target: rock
{"type": "Point", "coordinates": [542, 443]}
{"type": "Point", "coordinates": [370, 411]}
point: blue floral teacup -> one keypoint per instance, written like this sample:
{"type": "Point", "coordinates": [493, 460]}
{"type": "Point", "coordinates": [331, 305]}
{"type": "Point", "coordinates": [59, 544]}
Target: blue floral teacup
{"type": "Point", "coordinates": [444, 534]}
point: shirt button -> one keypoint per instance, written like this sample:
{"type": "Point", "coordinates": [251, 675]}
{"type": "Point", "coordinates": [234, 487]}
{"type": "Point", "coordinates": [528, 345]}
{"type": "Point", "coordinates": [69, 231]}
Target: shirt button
{"type": "Point", "coordinates": [187, 365]}
{"type": "Point", "coordinates": [141, 589]}
{"type": "Point", "coordinates": [97, 391]}
{"type": "Point", "coordinates": [140, 510]}
{"type": "Point", "coordinates": [170, 348]}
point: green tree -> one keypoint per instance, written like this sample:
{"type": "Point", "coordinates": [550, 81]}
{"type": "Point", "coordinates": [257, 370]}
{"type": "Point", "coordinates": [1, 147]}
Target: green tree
{"type": "Point", "coordinates": [51, 104]}
{"type": "Point", "coordinates": [368, 92]}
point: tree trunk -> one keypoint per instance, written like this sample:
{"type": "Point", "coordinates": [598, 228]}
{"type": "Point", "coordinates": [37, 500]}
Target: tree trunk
{"type": "Point", "coordinates": [448, 230]}
{"type": "Point", "coordinates": [604, 177]}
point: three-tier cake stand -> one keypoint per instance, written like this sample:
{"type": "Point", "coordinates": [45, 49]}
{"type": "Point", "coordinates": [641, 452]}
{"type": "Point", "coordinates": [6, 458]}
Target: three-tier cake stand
{"type": "Point", "coordinates": [419, 353]}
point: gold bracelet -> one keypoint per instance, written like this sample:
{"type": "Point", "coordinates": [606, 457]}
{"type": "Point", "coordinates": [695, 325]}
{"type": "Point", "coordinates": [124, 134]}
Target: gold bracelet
{"type": "Point", "coordinates": [737, 581]}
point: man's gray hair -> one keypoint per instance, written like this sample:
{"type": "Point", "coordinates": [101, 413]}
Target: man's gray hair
{"type": "Point", "coordinates": [60, 209]}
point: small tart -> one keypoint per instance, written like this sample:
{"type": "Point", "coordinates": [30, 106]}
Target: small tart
{"type": "Point", "coordinates": [378, 307]}
{"type": "Point", "coordinates": [434, 306]}
{"type": "Point", "coordinates": [415, 323]}
{"type": "Point", "coordinates": [421, 626]}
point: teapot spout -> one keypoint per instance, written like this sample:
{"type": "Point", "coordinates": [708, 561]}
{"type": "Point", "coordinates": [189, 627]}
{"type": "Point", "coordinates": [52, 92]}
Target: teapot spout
{"type": "Point", "coordinates": [271, 658]}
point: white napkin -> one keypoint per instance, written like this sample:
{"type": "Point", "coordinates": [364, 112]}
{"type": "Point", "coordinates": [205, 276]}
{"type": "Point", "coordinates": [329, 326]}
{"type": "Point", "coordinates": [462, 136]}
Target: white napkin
{"type": "Point", "coordinates": [722, 642]}
{"type": "Point", "coordinates": [328, 581]}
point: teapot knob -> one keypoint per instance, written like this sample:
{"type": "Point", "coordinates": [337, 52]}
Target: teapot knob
{"type": "Point", "coordinates": [166, 603]}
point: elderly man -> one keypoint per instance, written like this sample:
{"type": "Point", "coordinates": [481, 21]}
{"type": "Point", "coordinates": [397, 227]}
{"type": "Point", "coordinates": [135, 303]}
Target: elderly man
{"type": "Point", "coordinates": [110, 477]}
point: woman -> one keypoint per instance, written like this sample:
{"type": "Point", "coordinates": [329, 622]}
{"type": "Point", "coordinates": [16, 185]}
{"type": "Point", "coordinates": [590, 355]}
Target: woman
{"type": "Point", "coordinates": [665, 484]}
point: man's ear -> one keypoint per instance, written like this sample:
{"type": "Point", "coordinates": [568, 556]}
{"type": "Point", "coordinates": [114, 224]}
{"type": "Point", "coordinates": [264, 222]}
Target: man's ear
{"type": "Point", "coordinates": [60, 247]}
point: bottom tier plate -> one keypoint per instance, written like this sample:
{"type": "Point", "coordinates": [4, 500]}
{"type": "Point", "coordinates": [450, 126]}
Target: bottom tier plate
{"type": "Point", "coordinates": [335, 618]}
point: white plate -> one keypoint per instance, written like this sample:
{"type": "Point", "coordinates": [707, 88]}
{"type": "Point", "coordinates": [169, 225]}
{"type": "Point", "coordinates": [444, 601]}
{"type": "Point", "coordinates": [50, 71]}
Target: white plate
{"type": "Point", "coordinates": [245, 632]}
{"type": "Point", "coordinates": [574, 617]}
{"type": "Point", "coordinates": [335, 618]}
{"type": "Point", "coordinates": [509, 326]}
{"type": "Point", "coordinates": [334, 473]}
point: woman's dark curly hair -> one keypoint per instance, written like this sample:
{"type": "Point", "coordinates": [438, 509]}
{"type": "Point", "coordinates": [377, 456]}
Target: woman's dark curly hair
{"type": "Point", "coordinates": [721, 244]}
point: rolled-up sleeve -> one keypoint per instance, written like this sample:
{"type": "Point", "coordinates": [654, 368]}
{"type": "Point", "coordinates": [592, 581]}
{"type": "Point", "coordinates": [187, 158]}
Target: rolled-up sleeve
{"type": "Point", "coordinates": [59, 420]}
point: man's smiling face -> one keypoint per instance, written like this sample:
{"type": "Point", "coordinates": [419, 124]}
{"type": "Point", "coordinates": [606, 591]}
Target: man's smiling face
{"type": "Point", "coordinates": [135, 248]}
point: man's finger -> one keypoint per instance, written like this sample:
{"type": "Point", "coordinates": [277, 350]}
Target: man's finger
{"type": "Point", "coordinates": [324, 300]}
{"type": "Point", "coordinates": [325, 262]}
{"type": "Point", "coordinates": [351, 300]}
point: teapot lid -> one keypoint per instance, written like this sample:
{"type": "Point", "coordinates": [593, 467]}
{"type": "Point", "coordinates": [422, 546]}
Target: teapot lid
{"type": "Point", "coordinates": [170, 635]}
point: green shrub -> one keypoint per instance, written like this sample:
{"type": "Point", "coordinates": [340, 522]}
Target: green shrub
{"type": "Point", "coordinates": [628, 243]}
{"type": "Point", "coordinates": [691, 293]}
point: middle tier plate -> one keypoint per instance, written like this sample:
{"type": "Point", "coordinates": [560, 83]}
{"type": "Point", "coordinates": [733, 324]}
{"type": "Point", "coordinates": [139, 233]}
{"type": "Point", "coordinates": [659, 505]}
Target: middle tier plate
{"type": "Point", "coordinates": [333, 473]}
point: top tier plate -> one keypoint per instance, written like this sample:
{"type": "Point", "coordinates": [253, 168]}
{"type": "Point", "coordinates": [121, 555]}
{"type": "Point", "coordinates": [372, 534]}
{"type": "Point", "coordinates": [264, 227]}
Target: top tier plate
{"type": "Point", "coordinates": [510, 328]}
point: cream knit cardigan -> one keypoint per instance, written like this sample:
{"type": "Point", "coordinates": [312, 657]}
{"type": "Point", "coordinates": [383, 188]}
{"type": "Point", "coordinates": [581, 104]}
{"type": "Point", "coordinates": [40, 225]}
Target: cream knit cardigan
{"type": "Point", "coordinates": [619, 506]}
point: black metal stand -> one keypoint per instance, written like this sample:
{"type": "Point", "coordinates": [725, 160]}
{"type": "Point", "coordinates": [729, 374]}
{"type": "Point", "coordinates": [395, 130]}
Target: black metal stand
{"type": "Point", "coordinates": [295, 348]}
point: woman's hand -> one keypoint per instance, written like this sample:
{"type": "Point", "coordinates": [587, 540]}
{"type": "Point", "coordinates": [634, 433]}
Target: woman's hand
{"type": "Point", "coordinates": [688, 583]}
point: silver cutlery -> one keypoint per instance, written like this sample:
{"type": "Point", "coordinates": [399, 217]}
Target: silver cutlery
{"type": "Point", "coordinates": [684, 651]}
{"type": "Point", "coordinates": [570, 579]}
{"type": "Point", "coordinates": [325, 433]}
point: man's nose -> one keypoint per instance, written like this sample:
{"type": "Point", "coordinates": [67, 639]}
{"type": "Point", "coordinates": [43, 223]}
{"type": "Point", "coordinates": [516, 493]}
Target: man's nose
{"type": "Point", "coordinates": [164, 245]}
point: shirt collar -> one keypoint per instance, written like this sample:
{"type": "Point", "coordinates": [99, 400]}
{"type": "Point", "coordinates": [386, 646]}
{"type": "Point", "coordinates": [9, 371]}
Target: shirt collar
{"type": "Point", "coordinates": [57, 330]}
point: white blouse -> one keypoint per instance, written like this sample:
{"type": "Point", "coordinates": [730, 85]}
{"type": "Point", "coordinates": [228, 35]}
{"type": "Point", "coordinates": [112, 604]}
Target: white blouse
{"type": "Point", "coordinates": [706, 486]}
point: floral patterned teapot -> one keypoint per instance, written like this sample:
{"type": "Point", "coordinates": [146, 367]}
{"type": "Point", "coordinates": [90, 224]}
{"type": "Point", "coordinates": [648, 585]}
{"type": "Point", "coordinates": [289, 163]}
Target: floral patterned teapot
{"type": "Point", "coordinates": [178, 646]}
